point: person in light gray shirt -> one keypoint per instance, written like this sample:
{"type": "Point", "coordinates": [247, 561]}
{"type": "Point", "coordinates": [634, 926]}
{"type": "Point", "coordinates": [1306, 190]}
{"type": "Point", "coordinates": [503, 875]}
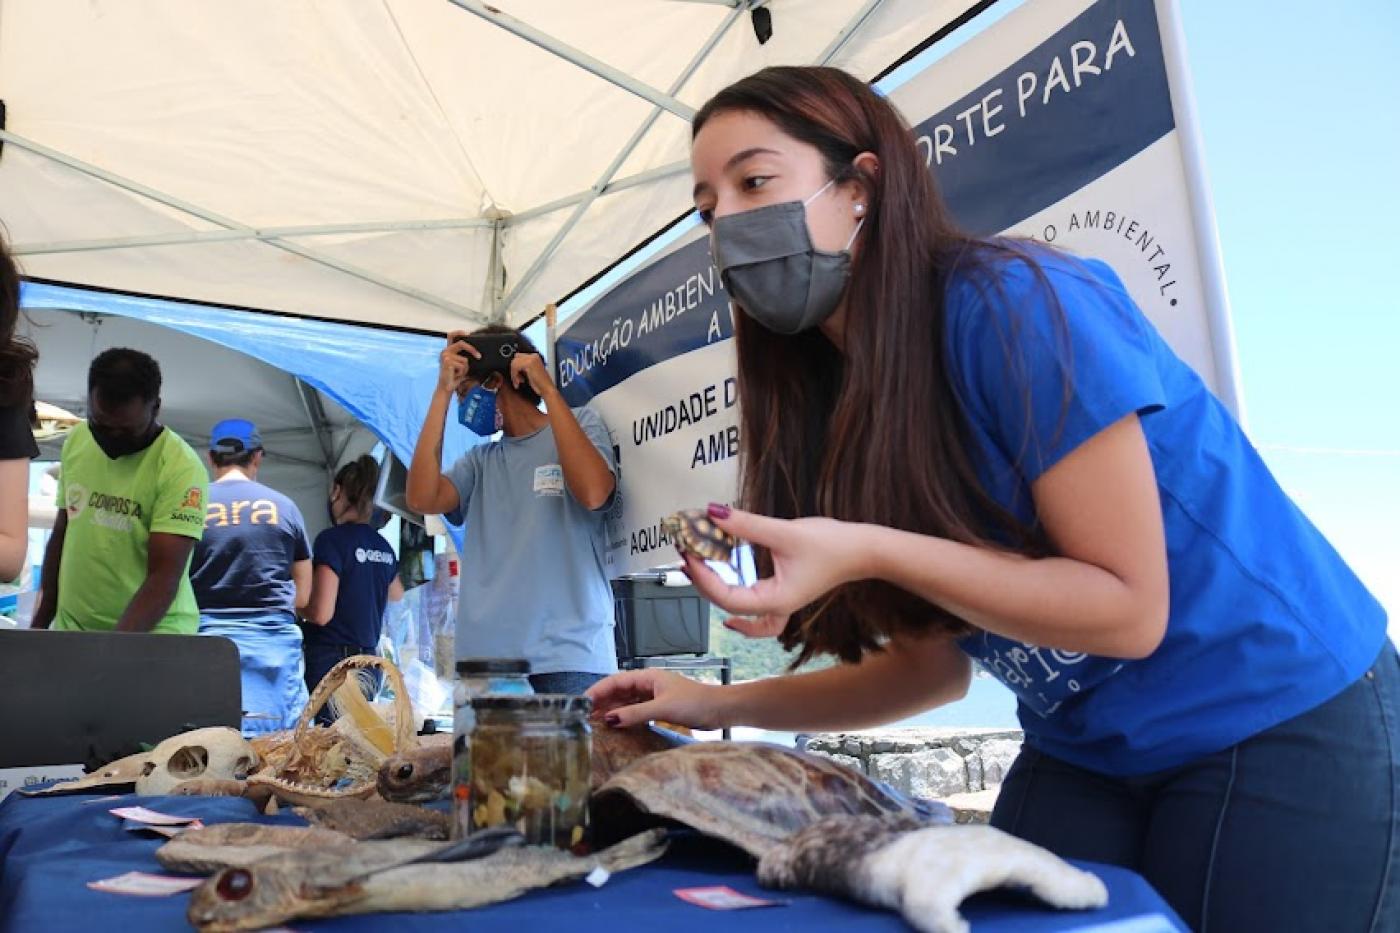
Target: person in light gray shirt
{"type": "Point", "coordinates": [533, 579]}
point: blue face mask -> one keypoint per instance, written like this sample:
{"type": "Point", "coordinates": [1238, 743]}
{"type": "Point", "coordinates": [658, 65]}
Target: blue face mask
{"type": "Point", "coordinates": [477, 411]}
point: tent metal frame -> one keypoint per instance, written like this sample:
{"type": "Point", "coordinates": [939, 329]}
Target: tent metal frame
{"type": "Point", "coordinates": [316, 416]}
{"type": "Point", "coordinates": [624, 153]}
{"type": "Point", "coordinates": [180, 204]}
{"type": "Point", "coordinates": [497, 302]}
{"type": "Point", "coordinates": [544, 40]}
{"type": "Point", "coordinates": [588, 197]}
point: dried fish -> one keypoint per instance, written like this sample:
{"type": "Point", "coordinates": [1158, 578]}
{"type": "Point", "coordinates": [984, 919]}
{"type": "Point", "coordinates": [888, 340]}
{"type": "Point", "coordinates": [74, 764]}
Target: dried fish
{"type": "Point", "coordinates": [239, 845]}
{"type": "Point", "coordinates": [377, 819]}
{"type": "Point", "coordinates": [372, 878]}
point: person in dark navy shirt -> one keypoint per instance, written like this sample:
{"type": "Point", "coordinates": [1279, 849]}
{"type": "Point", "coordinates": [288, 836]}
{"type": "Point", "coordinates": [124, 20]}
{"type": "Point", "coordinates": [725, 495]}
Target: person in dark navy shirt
{"type": "Point", "coordinates": [356, 576]}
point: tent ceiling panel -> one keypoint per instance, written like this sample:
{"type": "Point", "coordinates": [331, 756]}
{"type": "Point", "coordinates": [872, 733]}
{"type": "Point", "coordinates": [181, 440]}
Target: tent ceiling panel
{"type": "Point", "coordinates": [277, 113]}
{"type": "Point", "coordinates": [33, 190]}
{"type": "Point", "coordinates": [537, 127]}
{"type": "Point", "coordinates": [267, 112]}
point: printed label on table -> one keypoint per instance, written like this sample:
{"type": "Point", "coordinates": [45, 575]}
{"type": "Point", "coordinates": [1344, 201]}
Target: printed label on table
{"type": "Point", "coordinates": [144, 884]}
{"type": "Point", "coordinates": [722, 897]}
{"type": "Point", "coordinates": [169, 832]}
{"type": "Point", "coordinates": [23, 779]}
{"type": "Point", "coordinates": [153, 817]}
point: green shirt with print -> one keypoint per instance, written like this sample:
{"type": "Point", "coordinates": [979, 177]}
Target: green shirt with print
{"type": "Point", "coordinates": [113, 507]}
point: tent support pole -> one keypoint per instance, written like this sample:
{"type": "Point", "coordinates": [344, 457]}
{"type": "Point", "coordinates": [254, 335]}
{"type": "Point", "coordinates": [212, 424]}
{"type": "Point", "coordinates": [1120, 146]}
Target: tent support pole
{"type": "Point", "coordinates": [223, 236]}
{"type": "Point", "coordinates": [574, 56]}
{"type": "Point", "coordinates": [311, 230]}
{"type": "Point", "coordinates": [551, 334]}
{"type": "Point", "coordinates": [851, 28]}
{"type": "Point", "coordinates": [631, 181]}
{"type": "Point", "coordinates": [340, 451]}
{"type": "Point", "coordinates": [602, 183]}
{"type": "Point", "coordinates": [169, 200]}
{"type": "Point", "coordinates": [316, 415]}
{"type": "Point", "coordinates": [496, 270]}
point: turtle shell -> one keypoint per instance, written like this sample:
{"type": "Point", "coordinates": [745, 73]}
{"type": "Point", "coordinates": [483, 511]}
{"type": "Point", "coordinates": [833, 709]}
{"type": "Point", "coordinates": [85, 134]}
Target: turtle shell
{"type": "Point", "coordinates": [751, 794]}
{"type": "Point", "coordinates": [693, 531]}
{"type": "Point", "coordinates": [615, 750]}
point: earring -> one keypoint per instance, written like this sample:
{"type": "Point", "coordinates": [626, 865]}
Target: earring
{"type": "Point", "coordinates": [860, 209]}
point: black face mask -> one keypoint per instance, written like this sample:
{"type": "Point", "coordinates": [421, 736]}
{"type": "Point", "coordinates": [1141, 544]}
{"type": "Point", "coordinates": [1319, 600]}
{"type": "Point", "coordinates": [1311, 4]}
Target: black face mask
{"type": "Point", "coordinates": [116, 446]}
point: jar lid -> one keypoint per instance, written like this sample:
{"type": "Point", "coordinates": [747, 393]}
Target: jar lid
{"type": "Point", "coordinates": [493, 666]}
{"type": "Point", "coordinates": [547, 704]}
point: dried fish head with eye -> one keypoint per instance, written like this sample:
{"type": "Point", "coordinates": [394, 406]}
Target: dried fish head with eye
{"type": "Point", "coordinates": [394, 875]}
{"type": "Point", "coordinates": [694, 532]}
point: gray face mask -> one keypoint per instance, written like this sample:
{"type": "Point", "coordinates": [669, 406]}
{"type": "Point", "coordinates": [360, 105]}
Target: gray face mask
{"type": "Point", "coordinates": [767, 262]}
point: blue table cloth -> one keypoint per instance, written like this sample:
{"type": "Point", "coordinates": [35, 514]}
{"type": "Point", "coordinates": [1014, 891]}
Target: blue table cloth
{"type": "Point", "coordinates": [51, 847]}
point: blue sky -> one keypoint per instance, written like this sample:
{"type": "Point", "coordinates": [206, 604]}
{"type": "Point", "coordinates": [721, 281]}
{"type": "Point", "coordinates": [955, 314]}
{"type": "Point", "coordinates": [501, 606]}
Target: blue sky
{"type": "Point", "coordinates": [1302, 140]}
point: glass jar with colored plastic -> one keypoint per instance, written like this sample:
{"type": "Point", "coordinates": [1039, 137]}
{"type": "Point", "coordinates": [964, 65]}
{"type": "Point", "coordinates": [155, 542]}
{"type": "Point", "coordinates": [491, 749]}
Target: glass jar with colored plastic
{"type": "Point", "coordinates": [530, 767]}
{"type": "Point", "coordinates": [477, 677]}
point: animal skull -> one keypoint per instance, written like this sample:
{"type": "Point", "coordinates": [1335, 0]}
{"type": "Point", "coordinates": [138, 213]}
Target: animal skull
{"type": "Point", "coordinates": [217, 753]}
{"type": "Point", "coordinates": [120, 773]}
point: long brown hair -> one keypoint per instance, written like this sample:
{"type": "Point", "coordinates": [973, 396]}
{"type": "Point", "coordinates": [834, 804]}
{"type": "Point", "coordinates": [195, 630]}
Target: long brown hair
{"type": "Point", "coordinates": [884, 440]}
{"type": "Point", "coordinates": [357, 481]}
{"type": "Point", "coordinates": [17, 354]}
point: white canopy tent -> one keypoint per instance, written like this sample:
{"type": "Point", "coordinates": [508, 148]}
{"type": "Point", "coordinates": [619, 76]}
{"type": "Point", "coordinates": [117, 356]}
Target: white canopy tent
{"type": "Point", "coordinates": [426, 164]}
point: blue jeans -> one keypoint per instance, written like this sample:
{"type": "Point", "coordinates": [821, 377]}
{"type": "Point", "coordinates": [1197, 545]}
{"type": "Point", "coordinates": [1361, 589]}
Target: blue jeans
{"type": "Point", "coordinates": [570, 682]}
{"type": "Point", "coordinates": [1296, 828]}
{"type": "Point", "coordinates": [270, 666]}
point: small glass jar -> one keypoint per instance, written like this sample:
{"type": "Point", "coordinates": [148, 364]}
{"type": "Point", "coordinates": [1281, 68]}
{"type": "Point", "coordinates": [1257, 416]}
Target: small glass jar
{"type": "Point", "coordinates": [477, 677]}
{"type": "Point", "coordinates": [494, 677]}
{"type": "Point", "coordinates": [530, 767]}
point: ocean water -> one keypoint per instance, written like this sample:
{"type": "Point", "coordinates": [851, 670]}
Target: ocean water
{"type": "Point", "coordinates": [988, 704]}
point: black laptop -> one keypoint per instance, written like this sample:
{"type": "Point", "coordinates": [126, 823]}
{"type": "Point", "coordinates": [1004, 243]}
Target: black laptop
{"type": "Point", "coordinates": [90, 697]}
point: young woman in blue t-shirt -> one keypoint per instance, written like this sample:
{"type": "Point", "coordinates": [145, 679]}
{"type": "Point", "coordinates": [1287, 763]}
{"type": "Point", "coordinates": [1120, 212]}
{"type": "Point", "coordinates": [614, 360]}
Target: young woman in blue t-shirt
{"type": "Point", "coordinates": [355, 576]}
{"type": "Point", "coordinates": [981, 449]}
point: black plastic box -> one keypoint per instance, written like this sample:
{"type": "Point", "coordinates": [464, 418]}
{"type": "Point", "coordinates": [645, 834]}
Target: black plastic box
{"type": "Point", "coordinates": [655, 620]}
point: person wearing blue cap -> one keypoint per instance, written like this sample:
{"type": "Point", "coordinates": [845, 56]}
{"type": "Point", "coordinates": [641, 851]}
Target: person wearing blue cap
{"type": "Point", "coordinates": [251, 573]}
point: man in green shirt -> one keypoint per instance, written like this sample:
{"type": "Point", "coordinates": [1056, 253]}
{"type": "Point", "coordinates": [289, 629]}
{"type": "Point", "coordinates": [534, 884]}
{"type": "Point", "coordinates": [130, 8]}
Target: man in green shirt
{"type": "Point", "coordinates": [131, 507]}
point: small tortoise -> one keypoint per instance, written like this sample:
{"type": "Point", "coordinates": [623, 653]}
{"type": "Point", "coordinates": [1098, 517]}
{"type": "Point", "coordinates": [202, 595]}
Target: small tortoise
{"type": "Point", "coordinates": [693, 532]}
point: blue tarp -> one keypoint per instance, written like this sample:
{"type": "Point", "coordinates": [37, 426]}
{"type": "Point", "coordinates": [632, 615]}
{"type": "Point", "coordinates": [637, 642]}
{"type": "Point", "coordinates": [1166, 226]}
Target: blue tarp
{"type": "Point", "coordinates": [384, 378]}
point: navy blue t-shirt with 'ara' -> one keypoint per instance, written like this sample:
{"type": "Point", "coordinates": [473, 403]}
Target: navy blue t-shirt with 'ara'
{"type": "Point", "coordinates": [366, 567]}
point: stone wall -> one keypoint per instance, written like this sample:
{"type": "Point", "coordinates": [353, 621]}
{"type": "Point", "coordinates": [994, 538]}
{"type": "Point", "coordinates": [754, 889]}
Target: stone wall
{"type": "Point", "coordinates": [962, 767]}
